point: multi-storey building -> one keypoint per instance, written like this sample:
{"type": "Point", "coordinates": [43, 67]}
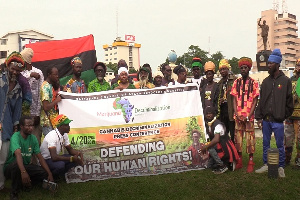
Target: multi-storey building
{"type": "Point", "coordinates": [282, 34]}
{"type": "Point", "coordinates": [15, 41]}
{"type": "Point", "coordinates": [128, 51]}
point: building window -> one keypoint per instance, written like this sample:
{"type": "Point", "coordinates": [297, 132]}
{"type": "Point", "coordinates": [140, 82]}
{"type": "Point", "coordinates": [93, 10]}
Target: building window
{"type": "Point", "coordinates": [115, 47]}
{"type": "Point", "coordinates": [115, 58]}
{"type": "Point", "coordinates": [130, 64]}
{"type": "Point", "coordinates": [130, 53]}
{"type": "Point", "coordinates": [130, 58]}
{"type": "Point", "coordinates": [106, 49]}
{"type": "Point", "coordinates": [3, 54]}
{"type": "Point", "coordinates": [106, 59]}
{"type": "Point", "coordinates": [115, 53]}
{"type": "Point", "coordinates": [106, 54]}
{"type": "Point", "coordinates": [3, 42]}
{"type": "Point", "coordinates": [110, 54]}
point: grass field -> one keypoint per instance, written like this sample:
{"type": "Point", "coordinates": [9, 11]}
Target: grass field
{"type": "Point", "coordinates": [201, 184]}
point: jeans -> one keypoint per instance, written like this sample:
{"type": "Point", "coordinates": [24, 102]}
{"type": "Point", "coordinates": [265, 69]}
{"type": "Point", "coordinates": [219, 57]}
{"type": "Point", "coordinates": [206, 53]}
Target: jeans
{"type": "Point", "coordinates": [278, 129]}
{"type": "Point", "coordinates": [60, 167]}
{"type": "Point", "coordinates": [3, 155]}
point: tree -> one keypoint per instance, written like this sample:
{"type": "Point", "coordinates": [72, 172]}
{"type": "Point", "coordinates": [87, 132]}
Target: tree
{"type": "Point", "coordinates": [113, 66]}
{"type": "Point", "coordinates": [215, 58]}
{"type": "Point", "coordinates": [234, 65]}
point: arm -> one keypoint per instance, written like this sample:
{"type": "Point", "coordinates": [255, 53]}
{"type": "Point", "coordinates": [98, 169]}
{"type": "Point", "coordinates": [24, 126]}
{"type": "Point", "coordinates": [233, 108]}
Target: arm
{"type": "Point", "coordinates": [45, 166]}
{"type": "Point", "coordinates": [214, 141]}
{"type": "Point", "coordinates": [75, 158]}
{"type": "Point", "coordinates": [24, 175]}
{"type": "Point", "coordinates": [259, 22]}
{"type": "Point", "coordinates": [47, 105]}
{"type": "Point", "coordinates": [77, 155]}
{"type": "Point", "coordinates": [289, 100]}
{"type": "Point", "coordinates": [254, 103]}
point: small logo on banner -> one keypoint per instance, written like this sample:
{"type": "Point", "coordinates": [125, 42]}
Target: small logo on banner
{"type": "Point", "coordinates": [125, 106]}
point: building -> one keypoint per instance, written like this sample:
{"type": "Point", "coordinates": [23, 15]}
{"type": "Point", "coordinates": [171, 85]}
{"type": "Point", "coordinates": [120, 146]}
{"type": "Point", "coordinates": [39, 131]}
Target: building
{"type": "Point", "coordinates": [15, 41]}
{"type": "Point", "coordinates": [127, 50]}
{"type": "Point", "coordinates": [282, 34]}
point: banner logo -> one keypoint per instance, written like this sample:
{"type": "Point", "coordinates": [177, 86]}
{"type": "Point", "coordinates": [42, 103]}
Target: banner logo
{"type": "Point", "coordinates": [126, 108]}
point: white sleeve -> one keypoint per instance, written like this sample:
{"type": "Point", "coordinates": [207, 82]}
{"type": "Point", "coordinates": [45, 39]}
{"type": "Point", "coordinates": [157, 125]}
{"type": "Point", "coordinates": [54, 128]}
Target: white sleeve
{"type": "Point", "coordinates": [66, 139]}
{"type": "Point", "coordinates": [219, 130]}
{"type": "Point", "coordinates": [51, 140]}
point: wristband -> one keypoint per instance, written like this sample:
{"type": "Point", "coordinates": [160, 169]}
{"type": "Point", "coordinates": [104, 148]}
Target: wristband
{"type": "Point", "coordinates": [71, 159]}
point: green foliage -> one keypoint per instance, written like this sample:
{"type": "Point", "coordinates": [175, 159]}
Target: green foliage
{"type": "Point", "coordinates": [195, 51]}
{"type": "Point", "coordinates": [234, 65]}
{"type": "Point", "coordinates": [132, 71]}
{"type": "Point", "coordinates": [193, 124]}
{"type": "Point", "coordinates": [113, 66]}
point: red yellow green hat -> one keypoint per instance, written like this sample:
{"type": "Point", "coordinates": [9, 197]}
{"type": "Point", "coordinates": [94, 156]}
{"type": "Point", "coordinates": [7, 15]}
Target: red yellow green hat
{"type": "Point", "coordinates": [245, 61]}
{"type": "Point", "coordinates": [62, 119]}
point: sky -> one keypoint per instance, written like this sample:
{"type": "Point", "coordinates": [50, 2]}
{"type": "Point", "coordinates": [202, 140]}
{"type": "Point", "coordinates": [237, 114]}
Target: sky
{"type": "Point", "coordinates": [229, 26]}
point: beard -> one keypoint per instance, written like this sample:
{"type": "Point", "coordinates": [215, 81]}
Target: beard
{"type": "Point", "coordinates": [55, 85]}
{"type": "Point", "coordinates": [143, 83]}
{"type": "Point", "coordinates": [100, 78]}
{"type": "Point", "coordinates": [12, 77]}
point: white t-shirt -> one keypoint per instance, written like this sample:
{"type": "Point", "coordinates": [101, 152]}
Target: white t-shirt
{"type": "Point", "coordinates": [197, 81]}
{"type": "Point", "coordinates": [54, 139]}
{"type": "Point", "coordinates": [218, 130]}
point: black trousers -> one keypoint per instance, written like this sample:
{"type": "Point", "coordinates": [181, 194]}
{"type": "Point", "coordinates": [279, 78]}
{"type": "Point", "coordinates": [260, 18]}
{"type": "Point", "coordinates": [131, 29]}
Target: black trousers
{"type": "Point", "coordinates": [36, 173]}
{"type": "Point", "coordinates": [224, 117]}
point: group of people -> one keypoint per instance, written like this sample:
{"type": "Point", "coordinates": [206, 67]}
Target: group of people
{"type": "Point", "coordinates": [29, 108]}
{"type": "Point", "coordinates": [237, 102]}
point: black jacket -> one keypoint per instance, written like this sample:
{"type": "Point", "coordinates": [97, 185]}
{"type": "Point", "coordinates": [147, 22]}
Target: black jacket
{"type": "Point", "coordinates": [278, 90]}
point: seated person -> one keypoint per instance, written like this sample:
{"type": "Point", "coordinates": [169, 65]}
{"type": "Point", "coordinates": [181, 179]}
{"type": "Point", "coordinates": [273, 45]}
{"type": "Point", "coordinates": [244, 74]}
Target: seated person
{"type": "Point", "coordinates": [52, 145]}
{"type": "Point", "coordinates": [222, 152]}
{"type": "Point", "coordinates": [18, 165]}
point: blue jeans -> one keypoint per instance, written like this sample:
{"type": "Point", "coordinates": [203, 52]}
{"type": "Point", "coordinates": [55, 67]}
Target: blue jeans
{"type": "Point", "coordinates": [278, 129]}
{"type": "Point", "coordinates": [60, 167]}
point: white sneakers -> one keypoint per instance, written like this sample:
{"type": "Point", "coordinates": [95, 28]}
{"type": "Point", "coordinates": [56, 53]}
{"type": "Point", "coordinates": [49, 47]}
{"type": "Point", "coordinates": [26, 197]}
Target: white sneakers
{"type": "Point", "coordinates": [281, 173]}
{"type": "Point", "coordinates": [263, 169]}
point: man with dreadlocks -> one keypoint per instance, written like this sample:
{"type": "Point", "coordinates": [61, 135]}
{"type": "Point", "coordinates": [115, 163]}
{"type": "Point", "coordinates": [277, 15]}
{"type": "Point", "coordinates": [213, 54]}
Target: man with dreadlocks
{"type": "Point", "coordinates": [222, 152]}
{"type": "Point", "coordinates": [76, 84]}
{"type": "Point", "coordinates": [143, 77]}
{"type": "Point", "coordinates": [245, 91]}
{"type": "Point", "coordinates": [10, 106]}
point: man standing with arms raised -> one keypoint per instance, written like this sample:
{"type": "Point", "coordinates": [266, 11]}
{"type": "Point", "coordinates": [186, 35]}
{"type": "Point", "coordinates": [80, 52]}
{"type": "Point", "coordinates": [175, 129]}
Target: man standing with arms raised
{"type": "Point", "coordinates": [275, 105]}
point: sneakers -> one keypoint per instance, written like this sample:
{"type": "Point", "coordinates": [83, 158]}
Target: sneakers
{"type": "Point", "coordinates": [263, 169]}
{"type": "Point", "coordinates": [297, 162]}
{"type": "Point", "coordinates": [221, 169]}
{"type": "Point", "coordinates": [239, 163]}
{"type": "Point", "coordinates": [250, 166]}
{"type": "Point", "coordinates": [281, 173]}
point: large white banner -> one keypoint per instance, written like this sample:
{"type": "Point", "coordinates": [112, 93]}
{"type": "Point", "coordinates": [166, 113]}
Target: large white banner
{"type": "Point", "coordinates": [135, 132]}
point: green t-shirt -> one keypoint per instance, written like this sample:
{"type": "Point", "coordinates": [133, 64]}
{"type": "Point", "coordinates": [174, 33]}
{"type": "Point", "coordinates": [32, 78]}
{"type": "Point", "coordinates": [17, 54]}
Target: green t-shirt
{"type": "Point", "coordinates": [28, 147]}
{"type": "Point", "coordinates": [96, 86]}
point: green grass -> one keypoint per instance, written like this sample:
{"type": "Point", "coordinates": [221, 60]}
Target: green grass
{"type": "Point", "coordinates": [201, 184]}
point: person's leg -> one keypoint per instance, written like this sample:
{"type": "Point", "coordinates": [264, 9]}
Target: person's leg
{"type": "Point", "coordinates": [238, 140]}
{"type": "Point", "coordinates": [267, 132]}
{"type": "Point", "coordinates": [289, 136]}
{"type": "Point", "coordinates": [232, 130]}
{"type": "Point", "coordinates": [279, 137]}
{"type": "Point", "coordinates": [13, 172]}
{"type": "Point", "coordinates": [297, 138]}
{"type": "Point", "coordinates": [37, 173]}
{"type": "Point", "coordinates": [213, 153]}
{"type": "Point", "coordinates": [57, 168]}
{"type": "Point", "coordinates": [3, 155]}
{"type": "Point", "coordinates": [250, 144]}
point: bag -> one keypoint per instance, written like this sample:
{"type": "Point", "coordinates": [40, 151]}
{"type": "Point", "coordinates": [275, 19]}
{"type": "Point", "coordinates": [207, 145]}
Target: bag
{"type": "Point", "coordinates": [49, 185]}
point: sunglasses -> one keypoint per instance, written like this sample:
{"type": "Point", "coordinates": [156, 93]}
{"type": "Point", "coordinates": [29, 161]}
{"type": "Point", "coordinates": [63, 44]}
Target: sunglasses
{"type": "Point", "coordinates": [16, 64]}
